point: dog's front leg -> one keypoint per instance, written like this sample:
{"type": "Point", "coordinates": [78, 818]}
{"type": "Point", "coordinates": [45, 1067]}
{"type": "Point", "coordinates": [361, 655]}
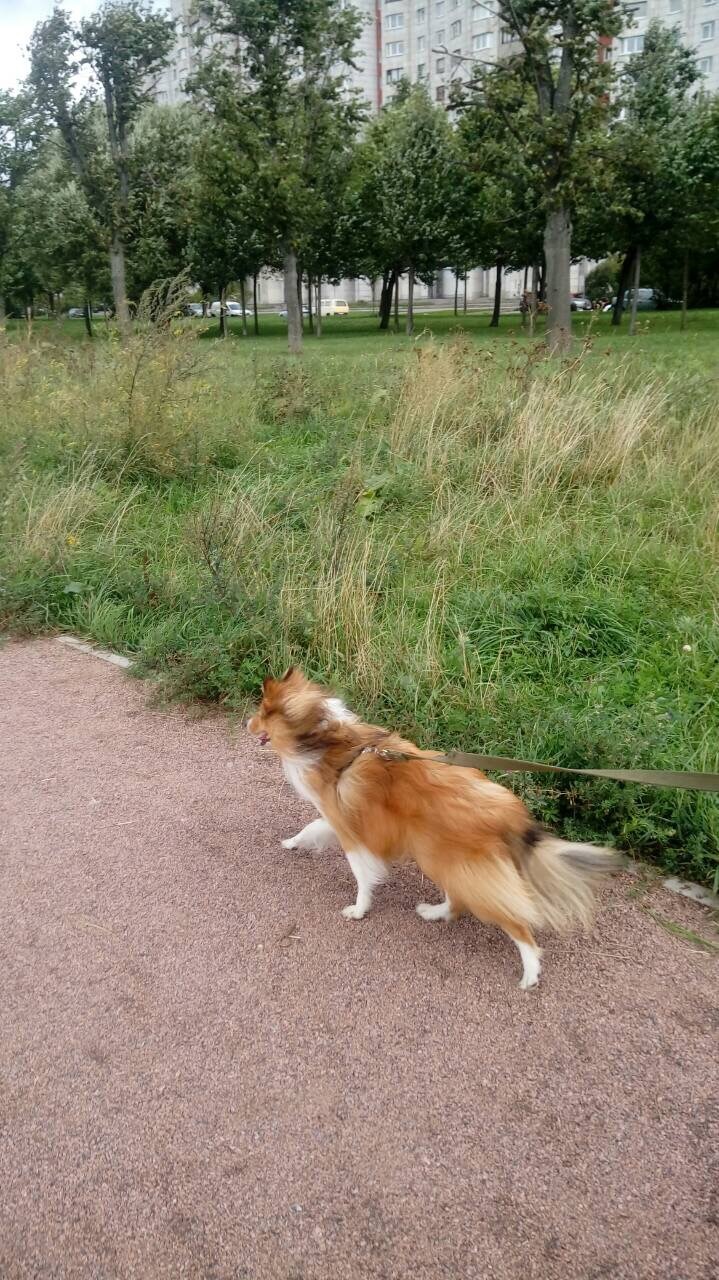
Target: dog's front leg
{"type": "Point", "coordinates": [368, 871]}
{"type": "Point", "coordinates": [316, 835]}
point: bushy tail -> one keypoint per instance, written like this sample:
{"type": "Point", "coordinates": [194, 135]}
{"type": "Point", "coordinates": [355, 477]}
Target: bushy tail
{"type": "Point", "coordinates": [562, 878]}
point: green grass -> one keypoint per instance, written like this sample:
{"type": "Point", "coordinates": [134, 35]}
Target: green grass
{"type": "Point", "coordinates": [658, 340]}
{"type": "Point", "coordinates": [486, 550]}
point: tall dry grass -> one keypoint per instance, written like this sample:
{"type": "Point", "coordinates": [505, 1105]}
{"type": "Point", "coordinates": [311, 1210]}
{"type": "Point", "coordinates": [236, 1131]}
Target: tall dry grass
{"type": "Point", "coordinates": [488, 552]}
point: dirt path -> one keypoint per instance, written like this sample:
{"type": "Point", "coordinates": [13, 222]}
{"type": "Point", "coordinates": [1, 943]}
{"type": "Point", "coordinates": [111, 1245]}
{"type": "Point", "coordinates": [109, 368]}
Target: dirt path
{"type": "Point", "coordinates": [206, 1072]}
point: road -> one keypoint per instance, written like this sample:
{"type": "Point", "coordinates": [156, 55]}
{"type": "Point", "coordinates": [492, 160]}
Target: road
{"type": "Point", "coordinates": [206, 1072]}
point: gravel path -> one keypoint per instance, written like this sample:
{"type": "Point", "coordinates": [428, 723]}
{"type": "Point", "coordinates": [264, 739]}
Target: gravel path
{"type": "Point", "coordinates": [206, 1072]}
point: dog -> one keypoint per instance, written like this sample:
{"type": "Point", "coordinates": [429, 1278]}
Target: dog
{"type": "Point", "coordinates": [384, 801]}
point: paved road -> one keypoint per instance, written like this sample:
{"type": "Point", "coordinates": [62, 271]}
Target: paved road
{"type": "Point", "coordinates": [206, 1072]}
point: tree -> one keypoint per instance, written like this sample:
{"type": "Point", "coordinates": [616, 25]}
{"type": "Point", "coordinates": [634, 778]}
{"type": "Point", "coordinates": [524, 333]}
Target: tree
{"type": "Point", "coordinates": [695, 231]}
{"type": "Point", "coordinates": [500, 215]}
{"type": "Point", "coordinates": [409, 174]}
{"type": "Point", "coordinates": [124, 44]}
{"type": "Point", "coordinates": [551, 99]}
{"type": "Point", "coordinates": [643, 198]}
{"type": "Point", "coordinates": [56, 244]}
{"type": "Point", "coordinates": [162, 157]}
{"type": "Point", "coordinates": [20, 136]}
{"type": "Point", "coordinates": [227, 220]}
{"type": "Point", "coordinates": [274, 82]}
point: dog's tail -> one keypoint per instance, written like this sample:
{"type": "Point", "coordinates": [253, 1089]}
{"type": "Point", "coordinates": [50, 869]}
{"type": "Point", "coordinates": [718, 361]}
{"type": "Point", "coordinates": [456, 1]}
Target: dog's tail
{"type": "Point", "coordinates": [562, 878]}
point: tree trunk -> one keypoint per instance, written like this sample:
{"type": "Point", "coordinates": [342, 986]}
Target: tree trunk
{"type": "Point", "coordinates": [119, 287]}
{"type": "Point", "coordinates": [524, 285]}
{"type": "Point", "coordinates": [372, 285]}
{"type": "Point", "coordinates": [409, 326]}
{"type": "Point", "coordinates": [223, 313]}
{"type": "Point", "coordinates": [309, 303]}
{"type": "Point", "coordinates": [51, 302]}
{"type": "Point", "coordinates": [557, 254]}
{"type": "Point", "coordinates": [396, 301]}
{"type": "Point", "coordinates": [464, 304]}
{"type": "Point", "coordinates": [685, 290]}
{"type": "Point", "coordinates": [244, 311]}
{"type": "Point", "coordinates": [456, 290]}
{"type": "Point", "coordinates": [88, 317]}
{"type": "Point", "coordinates": [3, 312]}
{"type": "Point", "coordinates": [300, 304]}
{"type": "Point", "coordinates": [294, 311]}
{"type": "Point", "coordinates": [385, 301]}
{"type": "Point", "coordinates": [254, 305]}
{"type": "Point", "coordinates": [497, 309]}
{"type": "Point", "coordinates": [534, 299]}
{"type": "Point", "coordinates": [635, 292]}
{"type": "Point", "coordinates": [623, 284]}
{"type": "Point", "coordinates": [318, 317]}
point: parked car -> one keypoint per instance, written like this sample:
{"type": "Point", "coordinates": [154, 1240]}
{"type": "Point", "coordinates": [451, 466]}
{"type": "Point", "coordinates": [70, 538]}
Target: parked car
{"type": "Point", "coordinates": [192, 309]}
{"type": "Point", "coordinates": [232, 308]}
{"type": "Point", "coordinates": [334, 307]}
{"type": "Point", "coordinates": [97, 313]}
{"type": "Point", "coordinates": [283, 312]}
{"type": "Point", "coordinates": [579, 303]}
{"type": "Point", "coordinates": [647, 300]}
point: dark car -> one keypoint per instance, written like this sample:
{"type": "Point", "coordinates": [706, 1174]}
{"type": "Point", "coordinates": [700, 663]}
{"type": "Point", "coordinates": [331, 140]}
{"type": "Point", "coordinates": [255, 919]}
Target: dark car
{"type": "Point", "coordinates": [579, 303]}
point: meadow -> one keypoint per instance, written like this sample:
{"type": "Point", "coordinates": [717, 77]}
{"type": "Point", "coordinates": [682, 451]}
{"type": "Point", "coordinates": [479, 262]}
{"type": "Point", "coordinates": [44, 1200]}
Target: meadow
{"type": "Point", "coordinates": [486, 550]}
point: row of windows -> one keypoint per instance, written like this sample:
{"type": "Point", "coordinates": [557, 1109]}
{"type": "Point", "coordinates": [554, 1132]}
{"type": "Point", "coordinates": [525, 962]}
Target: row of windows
{"type": "Point", "coordinates": [481, 9]}
{"type": "Point", "coordinates": [635, 44]}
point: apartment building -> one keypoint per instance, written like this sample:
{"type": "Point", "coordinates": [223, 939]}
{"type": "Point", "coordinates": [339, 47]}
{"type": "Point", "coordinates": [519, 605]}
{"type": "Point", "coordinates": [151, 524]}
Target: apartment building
{"type": "Point", "coordinates": [435, 42]}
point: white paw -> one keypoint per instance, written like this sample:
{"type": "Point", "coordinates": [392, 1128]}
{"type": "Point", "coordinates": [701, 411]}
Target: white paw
{"type": "Point", "coordinates": [531, 980]}
{"type": "Point", "coordinates": [291, 843]}
{"type": "Point", "coordinates": [353, 912]}
{"type": "Point", "coordinates": [428, 911]}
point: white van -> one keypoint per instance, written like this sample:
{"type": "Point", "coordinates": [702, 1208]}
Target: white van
{"type": "Point", "coordinates": [334, 307]}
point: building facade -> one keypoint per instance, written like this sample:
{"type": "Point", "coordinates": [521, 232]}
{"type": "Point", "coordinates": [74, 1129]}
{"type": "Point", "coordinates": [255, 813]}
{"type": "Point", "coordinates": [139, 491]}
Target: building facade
{"type": "Point", "coordinates": [435, 42]}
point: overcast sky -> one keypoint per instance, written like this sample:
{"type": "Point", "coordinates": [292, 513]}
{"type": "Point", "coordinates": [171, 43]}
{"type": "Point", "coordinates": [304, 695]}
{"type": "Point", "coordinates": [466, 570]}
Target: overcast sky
{"type": "Point", "coordinates": [17, 19]}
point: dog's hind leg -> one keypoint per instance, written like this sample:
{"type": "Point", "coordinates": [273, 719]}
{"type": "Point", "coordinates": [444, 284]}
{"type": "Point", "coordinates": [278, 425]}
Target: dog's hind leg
{"type": "Point", "coordinates": [368, 871]}
{"type": "Point", "coordinates": [316, 835]}
{"type": "Point", "coordinates": [436, 910]}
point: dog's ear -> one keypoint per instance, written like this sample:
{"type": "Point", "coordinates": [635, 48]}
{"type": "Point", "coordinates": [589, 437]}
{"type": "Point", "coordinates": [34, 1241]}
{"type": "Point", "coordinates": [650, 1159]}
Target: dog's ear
{"type": "Point", "coordinates": [288, 674]}
{"type": "Point", "coordinates": [267, 683]}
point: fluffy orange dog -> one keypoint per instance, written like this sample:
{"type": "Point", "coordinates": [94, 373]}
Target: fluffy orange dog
{"type": "Point", "coordinates": [474, 838]}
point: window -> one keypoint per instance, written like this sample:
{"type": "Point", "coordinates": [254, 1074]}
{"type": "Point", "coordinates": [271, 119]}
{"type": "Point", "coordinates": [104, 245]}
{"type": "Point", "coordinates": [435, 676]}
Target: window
{"type": "Point", "coordinates": [708, 30]}
{"type": "Point", "coordinates": [439, 93]}
{"type": "Point", "coordinates": [638, 8]}
{"type": "Point", "coordinates": [439, 36]}
{"type": "Point", "coordinates": [394, 74]}
{"type": "Point", "coordinates": [482, 9]}
{"type": "Point", "coordinates": [675, 6]}
{"type": "Point", "coordinates": [421, 44]}
{"type": "Point", "coordinates": [394, 20]}
{"type": "Point", "coordinates": [710, 1]}
{"type": "Point", "coordinates": [394, 48]}
{"type": "Point", "coordinates": [439, 65]}
{"type": "Point", "coordinates": [456, 29]}
{"type": "Point", "coordinates": [507, 36]}
{"type": "Point", "coordinates": [483, 40]}
{"type": "Point", "coordinates": [456, 58]}
{"type": "Point", "coordinates": [421, 70]}
{"type": "Point", "coordinates": [421, 15]}
{"type": "Point", "coordinates": [705, 65]}
{"type": "Point", "coordinates": [454, 4]}
{"type": "Point", "coordinates": [631, 44]}
{"type": "Point", "coordinates": [439, 8]}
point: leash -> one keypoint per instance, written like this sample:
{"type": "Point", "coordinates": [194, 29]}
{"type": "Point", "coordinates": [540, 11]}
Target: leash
{"type": "Point", "coordinates": [645, 777]}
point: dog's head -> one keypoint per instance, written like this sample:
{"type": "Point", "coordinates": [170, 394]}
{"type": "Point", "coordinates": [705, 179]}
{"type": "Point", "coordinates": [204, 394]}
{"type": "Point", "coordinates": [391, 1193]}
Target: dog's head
{"type": "Point", "coordinates": [292, 713]}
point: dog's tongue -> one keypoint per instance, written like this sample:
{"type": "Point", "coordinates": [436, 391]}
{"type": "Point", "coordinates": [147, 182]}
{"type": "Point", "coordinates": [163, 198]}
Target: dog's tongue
{"type": "Point", "coordinates": [264, 739]}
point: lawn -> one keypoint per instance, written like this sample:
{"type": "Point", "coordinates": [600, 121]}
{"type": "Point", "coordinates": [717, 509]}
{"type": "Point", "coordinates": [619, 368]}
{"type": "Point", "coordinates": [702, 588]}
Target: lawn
{"type": "Point", "coordinates": [487, 550]}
